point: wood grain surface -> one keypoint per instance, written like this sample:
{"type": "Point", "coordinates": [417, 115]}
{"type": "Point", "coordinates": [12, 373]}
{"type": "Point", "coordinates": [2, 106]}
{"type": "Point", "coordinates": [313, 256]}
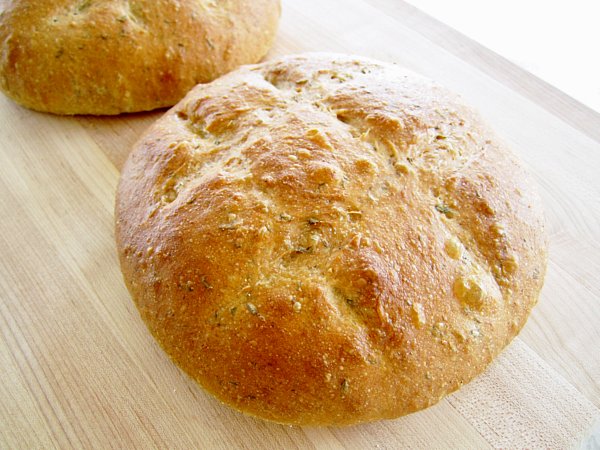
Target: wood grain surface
{"type": "Point", "coordinates": [80, 370]}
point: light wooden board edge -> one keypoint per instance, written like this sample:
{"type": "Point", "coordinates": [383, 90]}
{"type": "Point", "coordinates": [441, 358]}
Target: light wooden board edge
{"type": "Point", "coordinates": [555, 101]}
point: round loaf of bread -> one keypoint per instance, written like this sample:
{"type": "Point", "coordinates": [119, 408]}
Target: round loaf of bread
{"type": "Point", "coordinates": [324, 239]}
{"type": "Point", "coordinates": [116, 56]}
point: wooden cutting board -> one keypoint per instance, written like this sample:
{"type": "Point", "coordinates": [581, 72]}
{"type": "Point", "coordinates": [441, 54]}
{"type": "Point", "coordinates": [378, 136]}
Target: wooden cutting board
{"type": "Point", "coordinates": [79, 369]}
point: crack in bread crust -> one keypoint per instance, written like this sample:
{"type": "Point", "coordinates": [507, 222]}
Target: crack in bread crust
{"type": "Point", "coordinates": [328, 240]}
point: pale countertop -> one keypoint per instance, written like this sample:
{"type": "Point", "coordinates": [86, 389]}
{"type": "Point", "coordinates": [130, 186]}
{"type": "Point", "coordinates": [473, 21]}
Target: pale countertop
{"type": "Point", "coordinates": [558, 41]}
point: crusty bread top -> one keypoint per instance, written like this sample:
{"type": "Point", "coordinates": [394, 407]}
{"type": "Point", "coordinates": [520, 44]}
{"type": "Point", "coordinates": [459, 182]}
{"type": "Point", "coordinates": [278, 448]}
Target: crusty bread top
{"type": "Point", "coordinates": [114, 56]}
{"type": "Point", "coordinates": [328, 240]}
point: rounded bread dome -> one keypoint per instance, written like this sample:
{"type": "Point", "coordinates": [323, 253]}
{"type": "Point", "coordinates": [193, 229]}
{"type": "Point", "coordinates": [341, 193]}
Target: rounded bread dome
{"type": "Point", "coordinates": [116, 56]}
{"type": "Point", "coordinates": [325, 239]}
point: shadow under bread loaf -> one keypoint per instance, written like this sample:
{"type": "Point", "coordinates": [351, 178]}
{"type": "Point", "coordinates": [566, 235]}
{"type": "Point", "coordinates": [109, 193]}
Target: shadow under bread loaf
{"type": "Point", "coordinates": [325, 239]}
{"type": "Point", "coordinates": [116, 56]}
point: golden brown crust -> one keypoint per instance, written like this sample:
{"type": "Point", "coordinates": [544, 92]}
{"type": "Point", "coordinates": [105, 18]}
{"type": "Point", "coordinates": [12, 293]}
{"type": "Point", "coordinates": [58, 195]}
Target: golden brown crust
{"type": "Point", "coordinates": [328, 240]}
{"type": "Point", "coordinates": [115, 56]}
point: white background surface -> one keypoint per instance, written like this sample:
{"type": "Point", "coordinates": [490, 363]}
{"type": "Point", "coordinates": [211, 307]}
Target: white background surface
{"type": "Point", "coordinates": [558, 41]}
